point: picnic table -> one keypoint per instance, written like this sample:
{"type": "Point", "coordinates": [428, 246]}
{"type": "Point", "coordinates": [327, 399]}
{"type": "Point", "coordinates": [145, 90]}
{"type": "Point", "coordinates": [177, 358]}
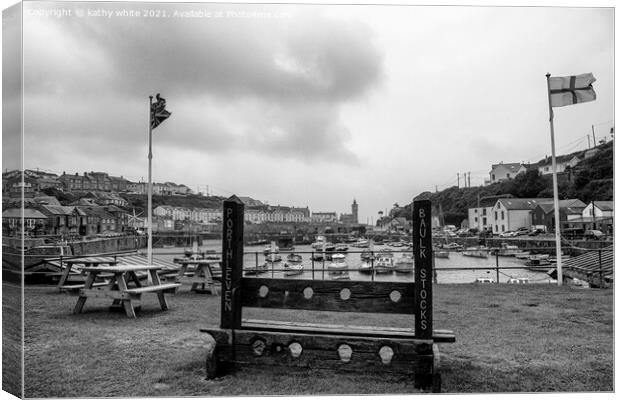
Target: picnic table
{"type": "Point", "coordinates": [202, 275]}
{"type": "Point", "coordinates": [117, 287]}
{"type": "Point", "coordinates": [77, 265]}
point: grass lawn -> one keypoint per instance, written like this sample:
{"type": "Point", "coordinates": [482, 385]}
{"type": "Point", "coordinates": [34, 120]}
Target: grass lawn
{"type": "Point", "coordinates": [510, 338]}
{"type": "Point", "coordinates": [11, 338]}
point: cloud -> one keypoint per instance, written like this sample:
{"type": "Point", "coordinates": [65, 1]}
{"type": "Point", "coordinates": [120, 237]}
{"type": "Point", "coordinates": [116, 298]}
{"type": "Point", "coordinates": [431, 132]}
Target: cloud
{"type": "Point", "coordinates": [268, 85]}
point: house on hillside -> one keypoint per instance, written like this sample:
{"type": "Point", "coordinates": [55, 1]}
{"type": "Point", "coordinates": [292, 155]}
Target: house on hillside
{"type": "Point", "coordinates": [58, 219]}
{"type": "Point", "coordinates": [562, 162]}
{"type": "Point", "coordinates": [501, 172]}
{"type": "Point", "coordinates": [512, 214]}
{"type": "Point", "coordinates": [33, 221]}
{"type": "Point", "coordinates": [543, 216]}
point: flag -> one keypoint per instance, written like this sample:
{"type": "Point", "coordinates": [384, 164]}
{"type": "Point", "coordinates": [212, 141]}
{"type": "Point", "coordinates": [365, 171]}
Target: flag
{"type": "Point", "coordinates": [568, 90]}
{"type": "Point", "coordinates": [158, 112]}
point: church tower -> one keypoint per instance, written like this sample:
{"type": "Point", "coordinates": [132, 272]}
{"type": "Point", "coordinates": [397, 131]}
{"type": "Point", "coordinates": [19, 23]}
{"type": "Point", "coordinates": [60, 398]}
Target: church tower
{"type": "Point", "coordinates": [354, 212]}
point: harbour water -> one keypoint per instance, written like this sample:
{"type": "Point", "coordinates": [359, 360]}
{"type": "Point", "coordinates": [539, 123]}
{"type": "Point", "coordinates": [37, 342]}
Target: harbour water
{"type": "Point", "coordinates": [456, 269]}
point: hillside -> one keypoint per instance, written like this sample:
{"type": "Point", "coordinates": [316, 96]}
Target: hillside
{"type": "Point", "coordinates": [591, 179]}
{"type": "Point", "coordinates": [189, 201]}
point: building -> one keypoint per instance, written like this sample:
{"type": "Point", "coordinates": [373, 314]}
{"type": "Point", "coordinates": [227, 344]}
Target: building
{"type": "Point", "coordinates": [322, 217]}
{"type": "Point", "coordinates": [482, 217]}
{"type": "Point", "coordinates": [501, 172]}
{"type": "Point", "coordinates": [597, 215]}
{"type": "Point", "coordinates": [351, 219]}
{"type": "Point", "coordinates": [33, 221]}
{"type": "Point", "coordinates": [512, 214]}
{"type": "Point", "coordinates": [543, 215]}
{"type": "Point", "coordinates": [562, 162]}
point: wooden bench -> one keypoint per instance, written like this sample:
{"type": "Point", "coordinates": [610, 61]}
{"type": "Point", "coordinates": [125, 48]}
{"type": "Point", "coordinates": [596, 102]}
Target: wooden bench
{"type": "Point", "coordinates": [412, 351]}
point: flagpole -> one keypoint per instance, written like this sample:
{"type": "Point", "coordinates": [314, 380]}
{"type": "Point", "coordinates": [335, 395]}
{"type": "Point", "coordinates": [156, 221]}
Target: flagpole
{"type": "Point", "coordinates": [149, 250]}
{"type": "Point", "coordinates": [556, 201]}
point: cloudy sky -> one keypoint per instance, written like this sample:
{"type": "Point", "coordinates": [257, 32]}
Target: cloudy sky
{"type": "Point", "coordinates": [305, 105]}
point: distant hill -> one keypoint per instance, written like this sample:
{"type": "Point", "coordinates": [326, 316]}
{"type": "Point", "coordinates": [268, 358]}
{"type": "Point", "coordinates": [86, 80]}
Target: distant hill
{"type": "Point", "coordinates": [590, 179]}
{"type": "Point", "coordinates": [189, 201]}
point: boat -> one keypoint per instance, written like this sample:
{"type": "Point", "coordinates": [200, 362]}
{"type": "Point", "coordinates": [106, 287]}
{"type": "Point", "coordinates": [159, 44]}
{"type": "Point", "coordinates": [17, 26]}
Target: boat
{"type": "Point", "coordinates": [322, 244]}
{"type": "Point", "coordinates": [522, 255]}
{"type": "Point", "coordinates": [538, 260]}
{"type": "Point", "coordinates": [506, 250]}
{"type": "Point", "coordinates": [452, 246]}
{"type": "Point", "coordinates": [484, 280]}
{"type": "Point", "coordinates": [338, 264]}
{"type": "Point", "coordinates": [475, 252]}
{"type": "Point", "coordinates": [361, 244]}
{"type": "Point", "coordinates": [384, 264]}
{"type": "Point", "coordinates": [396, 244]}
{"type": "Point", "coordinates": [365, 268]}
{"type": "Point", "coordinates": [168, 246]}
{"type": "Point", "coordinates": [259, 269]}
{"type": "Point", "coordinates": [293, 265]}
{"type": "Point", "coordinates": [286, 243]}
{"type": "Point", "coordinates": [272, 248]}
{"type": "Point", "coordinates": [367, 255]}
{"type": "Point", "coordinates": [341, 248]}
{"type": "Point", "coordinates": [441, 254]}
{"type": "Point", "coordinates": [273, 257]}
{"type": "Point", "coordinates": [259, 242]}
{"type": "Point", "coordinates": [404, 264]}
{"type": "Point", "coordinates": [342, 277]}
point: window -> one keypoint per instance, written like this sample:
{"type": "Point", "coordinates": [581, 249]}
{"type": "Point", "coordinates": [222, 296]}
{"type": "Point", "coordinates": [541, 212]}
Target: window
{"type": "Point", "coordinates": [502, 215]}
{"type": "Point", "coordinates": [495, 214]}
{"type": "Point", "coordinates": [493, 177]}
{"type": "Point", "coordinates": [476, 211]}
{"type": "Point", "coordinates": [496, 230]}
{"type": "Point", "coordinates": [476, 219]}
{"type": "Point", "coordinates": [503, 228]}
{"type": "Point", "coordinates": [484, 221]}
{"type": "Point", "coordinates": [484, 211]}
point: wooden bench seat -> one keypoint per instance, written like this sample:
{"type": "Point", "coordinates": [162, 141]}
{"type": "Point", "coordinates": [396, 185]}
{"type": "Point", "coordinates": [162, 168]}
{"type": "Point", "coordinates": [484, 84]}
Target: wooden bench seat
{"type": "Point", "coordinates": [155, 288]}
{"type": "Point", "coordinates": [80, 286]}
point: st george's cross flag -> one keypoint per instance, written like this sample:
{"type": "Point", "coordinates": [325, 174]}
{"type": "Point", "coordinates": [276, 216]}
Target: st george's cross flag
{"type": "Point", "coordinates": [158, 111]}
{"type": "Point", "coordinates": [569, 90]}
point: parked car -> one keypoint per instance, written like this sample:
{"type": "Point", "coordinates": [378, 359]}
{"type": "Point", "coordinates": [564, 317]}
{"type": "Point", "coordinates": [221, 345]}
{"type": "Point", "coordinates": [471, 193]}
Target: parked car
{"type": "Point", "coordinates": [507, 234]}
{"type": "Point", "coordinates": [593, 234]}
{"type": "Point", "coordinates": [573, 233]}
{"type": "Point", "coordinates": [535, 232]}
{"type": "Point", "coordinates": [521, 231]}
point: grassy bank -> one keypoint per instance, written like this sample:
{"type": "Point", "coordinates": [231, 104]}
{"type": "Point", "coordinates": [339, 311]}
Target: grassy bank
{"type": "Point", "coordinates": [11, 338]}
{"type": "Point", "coordinates": [509, 338]}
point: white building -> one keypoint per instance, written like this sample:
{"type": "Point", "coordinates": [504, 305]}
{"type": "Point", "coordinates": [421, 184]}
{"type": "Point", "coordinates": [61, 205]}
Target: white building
{"type": "Point", "coordinates": [501, 172]}
{"type": "Point", "coordinates": [562, 162]}
{"type": "Point", "coordinates": [512, 214]}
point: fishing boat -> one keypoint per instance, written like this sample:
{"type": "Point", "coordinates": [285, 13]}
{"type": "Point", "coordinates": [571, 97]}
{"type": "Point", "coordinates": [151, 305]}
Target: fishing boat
{"type": "Point", "coordinates": [338, 265]}
{"type": "Point", "coordinates": [484, 280]}
{"type": "Point", "coordinates": [273, 257]}
{"type": "Point", "coordinates": [342, 277]}
{"type": "Point", "coordinates": [538, 260]}
{"type": "Point", "coordinates": [322, 244]}
{"type": "Point", "coordinates": [293, 265]}
{"type": "Point", "coordinates": [404, 264]}
{"type": "Point", "coordinates": [384, 264]}
{"type": "Point", "coordinates": [365, 267]}
{"type": "Point", "coordinates": [475, 252]}
{"type": "Point", "coordinates": [286, 243]}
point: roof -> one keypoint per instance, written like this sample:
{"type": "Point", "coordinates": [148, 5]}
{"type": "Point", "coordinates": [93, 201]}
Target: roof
{"type": "Point", "coordinates": [513, 167]}
{"type": "Point", "coordinates": [58, 210]}
{"type": "Point", "coordinates": [17, 213]}
{"type": "Point", "coordinates": [604, 205]}
{"type": "Point", "coordinates": [51, 200]}
{"type": "Point", "coordinates": [592, 265]}
{"type": "Point", "coordinates": [523, 204]}
{"type": "Point", "coordinates": [570, 206]}
{"type": "Point", "coordinates": [560, 159]}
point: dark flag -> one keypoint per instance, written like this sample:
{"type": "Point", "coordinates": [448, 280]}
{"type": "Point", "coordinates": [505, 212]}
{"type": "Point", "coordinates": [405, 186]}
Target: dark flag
{"type": "Point", "coordinates": [158, 111]}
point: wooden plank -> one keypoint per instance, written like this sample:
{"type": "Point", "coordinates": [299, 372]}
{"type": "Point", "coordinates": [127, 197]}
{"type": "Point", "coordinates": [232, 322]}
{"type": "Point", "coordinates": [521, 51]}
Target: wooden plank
{"type": "Point", "coordinates": [153, 288]}
{"type": "Point", "coordinates": [232, 262]}
{"type": "Point", "coordinates": [122, 286]}
{"type": "Point", "coordinates": [352, 296]}
{"type": "Point", "coordinates": [423, 261]}
{"type": "Point", "coordinates": [322, 351]}
{"type": "Point", "coordinates": [81, 286]}
{"type": "Point", "coordinates": [90, 279]}
{"type": "Point", "coordinates": [122, 268]}
{"type": "Point", "coordinates": [443, 336]}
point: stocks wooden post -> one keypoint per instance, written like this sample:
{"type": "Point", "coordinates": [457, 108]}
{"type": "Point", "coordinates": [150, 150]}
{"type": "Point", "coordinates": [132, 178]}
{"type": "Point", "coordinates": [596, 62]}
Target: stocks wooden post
{"type": "Point", "coordinates": [232, 262]}
{"type": "Point", "coordinates": [423, 258]}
